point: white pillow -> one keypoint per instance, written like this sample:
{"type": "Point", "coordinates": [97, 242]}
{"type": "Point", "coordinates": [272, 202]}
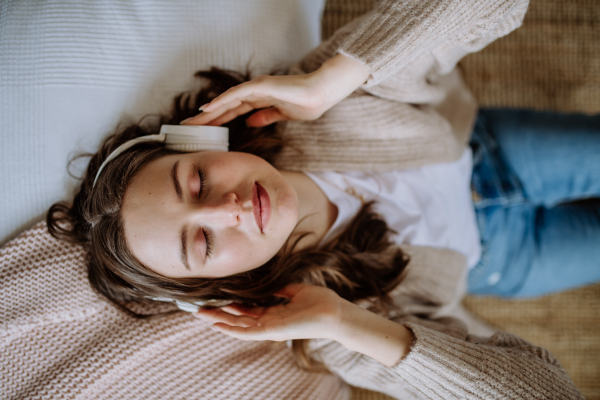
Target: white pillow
{"type": "Point", "coordinates": [70, 70]}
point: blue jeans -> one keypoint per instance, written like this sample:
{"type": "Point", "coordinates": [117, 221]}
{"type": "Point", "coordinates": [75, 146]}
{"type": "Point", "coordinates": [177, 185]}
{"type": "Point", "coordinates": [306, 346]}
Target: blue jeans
{"type": "Point", "coordinates": [531, 171]}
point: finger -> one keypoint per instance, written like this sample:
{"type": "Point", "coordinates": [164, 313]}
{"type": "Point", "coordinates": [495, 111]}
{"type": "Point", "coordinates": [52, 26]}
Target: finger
{"type": "Point", "coordinates": [265, 117]}
{"type": "Point", "coordinates": [290, 290]}
{"type": "Point", "coordinates": [233, 309]}
{"type": "Point", "coordinates": [231, 114]}
{"type": "Point", "coordinates": [230, 111]}
{"type": "Point", "coordinates": [238, 93]}
{"type": "Point", "coordinates": [244, 333]}
{"type": "Point", "coordinates": [224, 317]}
{"type": "Point", "coordinates": [238, 309]}
{"type": "Point", "coordinates": [205, 118]}
{"type": "Point", "coordinates": [227, 112]}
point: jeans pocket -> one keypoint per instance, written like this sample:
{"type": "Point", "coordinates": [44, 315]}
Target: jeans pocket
{"type": "Point", "coordinates": [492, 182]}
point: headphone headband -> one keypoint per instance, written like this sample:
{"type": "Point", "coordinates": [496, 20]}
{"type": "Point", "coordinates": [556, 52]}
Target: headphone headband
{"type": "Point", "coordinates": [184, 138]}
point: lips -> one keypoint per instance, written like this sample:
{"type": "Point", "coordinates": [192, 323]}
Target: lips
{"type": "Point", "coordinates": [261, 206]}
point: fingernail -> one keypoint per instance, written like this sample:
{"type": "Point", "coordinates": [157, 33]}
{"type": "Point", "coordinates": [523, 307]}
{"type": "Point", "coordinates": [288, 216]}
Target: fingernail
{"type": "Point", "coordinates": [214, 328]}
{"type": "Point", "coordinates": [185, 121]}
{"type": "Point", "coordinates": [203, 107]}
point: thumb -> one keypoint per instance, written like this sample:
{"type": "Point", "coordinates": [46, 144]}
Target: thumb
{"type": "Point", "coordinates": [265, 117]}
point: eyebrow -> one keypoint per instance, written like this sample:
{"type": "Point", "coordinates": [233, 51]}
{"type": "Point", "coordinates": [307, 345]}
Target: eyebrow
{"type": "Point", "coordinates": [184, 257]}
{"type": "Point", "coordinates": [176, 181]}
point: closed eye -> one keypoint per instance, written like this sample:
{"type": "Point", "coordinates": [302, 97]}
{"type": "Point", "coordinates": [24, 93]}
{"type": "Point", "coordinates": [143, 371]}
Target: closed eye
{"type": "Point", "coordinates": [207, 236]}
{"type": "Point", "coordinates": [202, 175]}
{"type": "Point", "coordinates": [209, 244]}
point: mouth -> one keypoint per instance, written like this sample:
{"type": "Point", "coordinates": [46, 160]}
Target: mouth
{"type": "Point", "coordinates": [261, 206]}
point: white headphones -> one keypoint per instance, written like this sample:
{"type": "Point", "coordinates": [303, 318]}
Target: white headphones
{"type": "Point", "coordinates": [184, 138]}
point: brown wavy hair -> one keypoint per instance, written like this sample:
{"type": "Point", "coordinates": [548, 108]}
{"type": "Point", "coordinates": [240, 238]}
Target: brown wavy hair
{"type": "Point", "coordinates": [361, 263]}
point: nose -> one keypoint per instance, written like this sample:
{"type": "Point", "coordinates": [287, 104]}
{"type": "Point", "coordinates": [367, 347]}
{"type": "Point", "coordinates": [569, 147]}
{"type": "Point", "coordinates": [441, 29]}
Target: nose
{"type": "Point", "coordinates": [224, 210]}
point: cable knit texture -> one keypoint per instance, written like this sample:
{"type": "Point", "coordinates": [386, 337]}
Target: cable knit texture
{"type": "Point", "coordinates": [61, 340]}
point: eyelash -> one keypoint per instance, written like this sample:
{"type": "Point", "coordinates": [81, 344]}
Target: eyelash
{"type": "Point", "coordinates": [202, 175]}
{"type": "Point", "coordinates": [209, 245]}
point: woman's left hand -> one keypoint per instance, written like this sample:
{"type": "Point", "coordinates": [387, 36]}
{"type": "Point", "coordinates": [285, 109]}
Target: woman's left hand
{"type": "Point", "coordinates": [315, 312]}
{"type": "Point", "coordinates": [302, 97]}
{"type": "Point", "coordinates": [312, 312]}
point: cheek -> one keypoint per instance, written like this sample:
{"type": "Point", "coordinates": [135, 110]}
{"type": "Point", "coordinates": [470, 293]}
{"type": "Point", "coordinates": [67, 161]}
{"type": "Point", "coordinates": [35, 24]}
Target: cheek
{"type": "Point", "coordinates": [245, 254]}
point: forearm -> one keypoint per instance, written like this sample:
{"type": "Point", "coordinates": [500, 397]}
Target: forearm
{"type": "Point", "coordinates": [370, 334]}
{"type": "Point", "coordinates": [339, 76]}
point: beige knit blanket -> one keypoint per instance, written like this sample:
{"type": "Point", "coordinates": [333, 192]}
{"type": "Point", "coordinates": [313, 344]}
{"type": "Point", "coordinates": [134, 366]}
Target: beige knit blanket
{"type": "Point", "coordinates": [60, 340]}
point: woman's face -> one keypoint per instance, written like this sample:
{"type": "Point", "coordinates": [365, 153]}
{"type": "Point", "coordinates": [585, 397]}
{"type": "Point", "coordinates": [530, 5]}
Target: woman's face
{"type": "Point", "coordinates": [208, 214]}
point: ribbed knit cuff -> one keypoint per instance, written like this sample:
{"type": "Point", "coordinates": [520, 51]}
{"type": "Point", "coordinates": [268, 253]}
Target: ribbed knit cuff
{"type": "Point", "coordinates": [442, 366]}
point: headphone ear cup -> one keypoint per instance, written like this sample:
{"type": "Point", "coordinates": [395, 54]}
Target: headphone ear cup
{"type": "Point", "coordinates": [194, 147]}
{"type": "Point", "coordinates": [192, 138]}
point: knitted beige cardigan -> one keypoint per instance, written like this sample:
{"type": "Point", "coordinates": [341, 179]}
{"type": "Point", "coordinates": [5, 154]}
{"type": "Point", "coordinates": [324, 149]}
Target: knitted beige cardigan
{"type": "Point", "coordinates": [62, 340]}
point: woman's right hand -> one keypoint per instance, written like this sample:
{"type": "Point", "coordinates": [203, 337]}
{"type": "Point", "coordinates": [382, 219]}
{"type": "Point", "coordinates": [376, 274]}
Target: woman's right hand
{"type": "Point", "coordinates": [311, 312]}
{"type": "Point", "coordinates": [290, 97]}
{"type": "Point", "coordinates": [315, 312]}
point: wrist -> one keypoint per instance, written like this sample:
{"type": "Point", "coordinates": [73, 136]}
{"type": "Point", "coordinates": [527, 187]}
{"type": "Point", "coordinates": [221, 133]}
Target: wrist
{"type": "Point", "coordinates": [339, 76]}
{"type": "Point", "coordinates": [375, 336]}
{"type": "Point", "coordinates": [352, 70]}
{"type": "Point", "coordinates": [351, 319]}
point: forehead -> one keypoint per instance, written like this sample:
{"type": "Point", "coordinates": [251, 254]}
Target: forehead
{"type": "Point", "coordinates": [147, 217]}
{"type": "Point", "coordinates": [153, 173]}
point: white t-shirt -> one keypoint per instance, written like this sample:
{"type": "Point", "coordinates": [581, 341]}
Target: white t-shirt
{"type": "Point", "coordinates": [427, 206]}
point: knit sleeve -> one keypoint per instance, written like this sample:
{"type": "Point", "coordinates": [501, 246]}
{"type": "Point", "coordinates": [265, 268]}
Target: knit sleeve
{"type": "Point", "coordinates": [411, 48]}
{"type": "Point", "coordinates": [396, 32]}
{"type": "Point", "coordinates": [447, 363]}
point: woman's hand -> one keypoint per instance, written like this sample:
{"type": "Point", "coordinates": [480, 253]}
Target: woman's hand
{"type": "Point", "coordinates": [316, 312]}
{"type": "Point", "coordinates": [290, 97]}
{"type": "Point", "coordinates": [312, 312]}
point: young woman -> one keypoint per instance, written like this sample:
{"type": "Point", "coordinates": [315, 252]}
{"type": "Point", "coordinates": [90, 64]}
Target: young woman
{"type": "Point", "coordinates": [377, 113]}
